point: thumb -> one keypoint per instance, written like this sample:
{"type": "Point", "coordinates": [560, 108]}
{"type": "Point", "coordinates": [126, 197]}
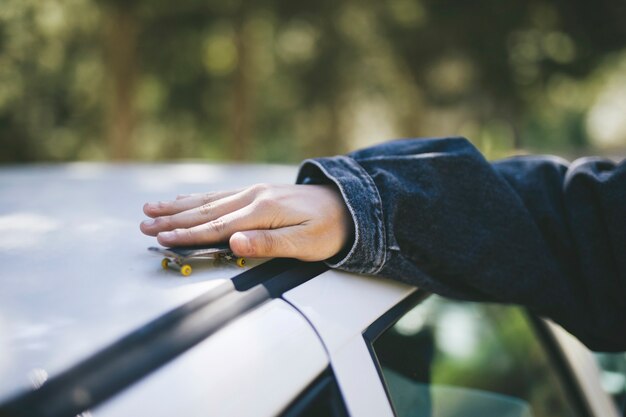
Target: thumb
{"type": "Point", "coordinates": [274, 243]}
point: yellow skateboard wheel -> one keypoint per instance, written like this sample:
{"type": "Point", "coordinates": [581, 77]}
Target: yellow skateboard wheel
{"type": "Point", "coordinates": [165, 263]}
{"type": "Point", "coordinates": [241, 262]}
{"type": "Point", "coordinates": [185, 270]}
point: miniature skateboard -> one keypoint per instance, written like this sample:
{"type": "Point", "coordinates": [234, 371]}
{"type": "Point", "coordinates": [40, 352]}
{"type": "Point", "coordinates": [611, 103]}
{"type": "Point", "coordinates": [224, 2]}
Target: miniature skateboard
{"type": "Point", "coordinates": [177, 257]}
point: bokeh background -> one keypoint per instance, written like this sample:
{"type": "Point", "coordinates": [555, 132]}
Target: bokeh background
{"type": "Point", "coordinates": [281, 80]}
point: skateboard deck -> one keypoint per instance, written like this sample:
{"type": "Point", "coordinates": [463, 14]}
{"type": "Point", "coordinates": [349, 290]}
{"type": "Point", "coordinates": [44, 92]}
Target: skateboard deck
{"type": "Point", "coordinates": [177, 257]}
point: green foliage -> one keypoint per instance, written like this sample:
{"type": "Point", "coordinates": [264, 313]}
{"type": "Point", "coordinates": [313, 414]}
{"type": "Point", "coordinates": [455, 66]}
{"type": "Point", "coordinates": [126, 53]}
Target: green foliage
{"type": "Point", "coordinates": [48, 70]}
{"type": "Point", "coordinates": [282, 80]}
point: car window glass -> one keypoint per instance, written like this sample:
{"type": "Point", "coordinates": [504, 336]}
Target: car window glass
{"type": "Point", "coordinates": [613, 376]}
{"type": "Point", "coordinates": [445, 359]}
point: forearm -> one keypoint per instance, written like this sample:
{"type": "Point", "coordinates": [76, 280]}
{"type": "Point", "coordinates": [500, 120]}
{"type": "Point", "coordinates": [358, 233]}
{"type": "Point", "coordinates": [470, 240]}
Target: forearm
{"type": "Point", "coordinates": [435, 214]}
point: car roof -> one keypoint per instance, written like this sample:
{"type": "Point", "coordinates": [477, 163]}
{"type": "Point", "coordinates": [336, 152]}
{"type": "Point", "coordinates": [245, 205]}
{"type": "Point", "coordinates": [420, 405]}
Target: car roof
{"type": "Point", "coordinates": [76, 272]}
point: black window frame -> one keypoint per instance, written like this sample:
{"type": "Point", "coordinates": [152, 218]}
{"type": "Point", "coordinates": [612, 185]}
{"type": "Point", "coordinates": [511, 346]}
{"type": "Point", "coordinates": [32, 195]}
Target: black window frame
{"type": "Point", "coordinates": [384, 323]}
{"type": "Point", "coordinates": [561, 364]}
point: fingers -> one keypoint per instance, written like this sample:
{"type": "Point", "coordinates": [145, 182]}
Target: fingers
{"type": "Point", "coordinates": [183, 203]}
{"type": "Point", "coordinates": [214, 231]}
{"type": "Point", "coordinates": [278, 243]}
{"type": "Point", "coordinates": [196, 216]}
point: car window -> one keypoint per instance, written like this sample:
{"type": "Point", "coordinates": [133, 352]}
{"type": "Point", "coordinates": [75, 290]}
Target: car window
{"type": "Point", "coordinates": [445, 358]}
{"type": "Point", "coordinates": [613, 376]}
{"type": "Point", "coordinates": [321, 398]}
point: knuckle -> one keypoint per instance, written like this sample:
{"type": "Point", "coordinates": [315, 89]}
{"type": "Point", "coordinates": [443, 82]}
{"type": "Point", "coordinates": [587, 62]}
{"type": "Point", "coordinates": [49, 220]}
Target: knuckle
{"type": "Point", "coordinates": [260, 188]}
{"type": "Point", "coordinates": [206, 209]}
{"type": "Point", "coordinates": [264, 204]}
{"type": "Point", "coordinates": [217, 226]}
{"type": "Point", "coordinates": [162, 205]}
{"type": "Point", "coordinates": [207, 199]}
{"type": "Point", "coordinates": [269, 243]}
{"type": "Point", "coordinates": [163, 222]}
{"type": "Point", "coordinates": [184, 234]}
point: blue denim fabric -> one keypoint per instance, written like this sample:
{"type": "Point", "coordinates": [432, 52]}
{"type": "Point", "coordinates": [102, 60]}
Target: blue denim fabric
{"type": "Point", "coordinates": [533, 231]}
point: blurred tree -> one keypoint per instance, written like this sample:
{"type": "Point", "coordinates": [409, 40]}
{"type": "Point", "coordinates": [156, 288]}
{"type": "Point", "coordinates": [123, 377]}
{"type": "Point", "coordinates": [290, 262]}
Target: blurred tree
{"type": "Point", "coordinates": [50, 101]}
{"type": "Point", "coordinates": [281, 80]}
{"type": "Point", "coordinates": [120, 51]}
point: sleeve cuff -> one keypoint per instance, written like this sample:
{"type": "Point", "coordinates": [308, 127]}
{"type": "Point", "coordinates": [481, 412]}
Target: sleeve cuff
{"type": "Point", "coordinates": [368, 252]}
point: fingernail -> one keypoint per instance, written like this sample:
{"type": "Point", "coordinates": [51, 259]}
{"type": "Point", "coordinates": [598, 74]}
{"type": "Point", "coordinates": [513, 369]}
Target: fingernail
{"type": "Point", "coordinates": [148, 222]}
{"type": "Point", "coordinates": [242, 242]}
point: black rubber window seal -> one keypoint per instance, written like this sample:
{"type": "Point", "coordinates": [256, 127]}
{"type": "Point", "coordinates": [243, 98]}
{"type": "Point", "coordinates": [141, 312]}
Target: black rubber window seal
{"type": "Point", "coordinates": [386, 321]}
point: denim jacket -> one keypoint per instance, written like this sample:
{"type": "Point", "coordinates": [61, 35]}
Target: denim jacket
{"type": "Point", "coordinates": [533, 231]}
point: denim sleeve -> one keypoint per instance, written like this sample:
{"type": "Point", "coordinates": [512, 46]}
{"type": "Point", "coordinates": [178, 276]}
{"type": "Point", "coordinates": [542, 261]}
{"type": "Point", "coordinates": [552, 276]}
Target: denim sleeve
{"type": "Point", "coordinates": [533, 231]}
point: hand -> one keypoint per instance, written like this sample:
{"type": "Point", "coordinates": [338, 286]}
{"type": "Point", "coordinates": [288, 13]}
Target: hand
{"type": "Point", "coordinates": [307, 222]}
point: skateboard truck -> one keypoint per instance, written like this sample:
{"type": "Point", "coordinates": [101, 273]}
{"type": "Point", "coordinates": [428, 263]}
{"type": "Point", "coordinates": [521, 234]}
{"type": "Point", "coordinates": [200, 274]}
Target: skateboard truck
{"type": "Point", "coordinates": [177, 257]}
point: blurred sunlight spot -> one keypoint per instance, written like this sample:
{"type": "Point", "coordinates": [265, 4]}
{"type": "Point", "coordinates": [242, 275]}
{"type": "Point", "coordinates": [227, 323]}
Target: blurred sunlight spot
{"type": "Point", "coordinates": [24, 230]}
{"type": "Point", "coordinates": [559, 47]}
{"type": "Point", "coordinates": [151, 95]}
{"type": "Point", "coordinates": [220, 54]}
{"type": "Point", "coordinates": [606, 121]}
{"type": "Point", "coordinates": [372, 121]}
{"type": "Point", "coordinates": [451, 75]}
{"type": "Point", "coordinates": [457, 334]}
{"type": "Point", "coordinates": [50, 18]}
{"type": "Point", "coordinates": [297, 42]}
{"type": "Point", "coordinates": [524, 46]}
{"type": "Point", "coordinates": [411, 323]}
{"type": "Point", "coordinates": [408, 13]}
